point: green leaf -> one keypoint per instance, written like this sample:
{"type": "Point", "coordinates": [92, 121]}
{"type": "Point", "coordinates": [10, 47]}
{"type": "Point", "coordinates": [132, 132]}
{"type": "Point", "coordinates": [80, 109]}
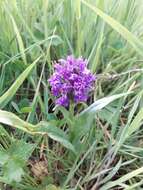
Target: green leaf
{"type": "Point", "coordinates": [23, 150]}
{"type": "Point", "coordinates": [11, 119]}
{"type": "Point", "coordinates": [13, 160]}
{"type": "Point", "coordinates": [13, 171]}
{"type": "Point", "coordinates": [48, 127]}
{"type": "Point", "coordinates": [7, 96]}
{"type": "Point", "coordinates": [56, 134]}
{"type": "Point", "coordinates": [3, 157]}
{"type": "Point", "coordinates": [42, 128]}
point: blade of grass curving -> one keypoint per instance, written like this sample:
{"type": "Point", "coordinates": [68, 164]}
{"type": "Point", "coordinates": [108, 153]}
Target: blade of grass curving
{"type": "Point", "coordinates": [45, 11]}
{"type": "Point", "coordinates": [135, 106]}
{"type": "Point", "coordinates": [129, 129]}
{"type": "Point", "coordinates": [34, 102]}
{"type": "Point", "coordinates": [7, 96]}
{"type": "Point", "coordinates": [11, 119]}
{"type": "Point", "coordinates": [98, 49]}
{"type": "Point", "coordinates": [67, 39]}
{"type": "Point", "coordinates": [124, 32]}
{"type": "Point", "coordinates": [78, 16]}
{"type": "Point", "coordinates": [105, 171]}
{"type": "Point", "coordinates": [101, 103]}
{"type": "Point", "coordinates": [2, 77]}
{"type": "Point", "coordinates": [112, 172]}
{"type": "Point", "coordinates": [95, 54]}
{"type": "Point", "coordinates": [33, 46]}
{"type": "Point", "coordinates": [18, 36]}
{"type": "Point", "coordinates": [124, 178]}
{"type": "Point", "coordinates": [134, 186]}
{"type": "Point", "coordinates": [135, 124]}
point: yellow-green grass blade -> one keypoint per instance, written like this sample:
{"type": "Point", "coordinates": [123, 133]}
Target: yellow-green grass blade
{"type": "Point", "coordinates": [123, 31]}
{"type": "Point", "coordinates": [18, 37]}
{"type": "Point", "coordinates": [7, 96]}
{"type": "Point", "coordinates": [124, 178]}
{"type": "Point", "coordinates": [130, 129]}
{"type": "Point", "coordinates": [135, 124]}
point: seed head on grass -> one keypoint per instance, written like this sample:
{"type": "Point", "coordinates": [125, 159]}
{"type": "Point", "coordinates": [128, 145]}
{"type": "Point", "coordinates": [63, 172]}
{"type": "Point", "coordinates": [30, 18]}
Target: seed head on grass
{"type": "Point", "coordinates": [71, 81]}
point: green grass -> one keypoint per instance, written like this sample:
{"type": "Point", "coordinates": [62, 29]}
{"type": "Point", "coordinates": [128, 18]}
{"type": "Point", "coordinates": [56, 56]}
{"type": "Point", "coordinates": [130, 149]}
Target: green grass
{"type": "Point", "coordinates": [46, 149]}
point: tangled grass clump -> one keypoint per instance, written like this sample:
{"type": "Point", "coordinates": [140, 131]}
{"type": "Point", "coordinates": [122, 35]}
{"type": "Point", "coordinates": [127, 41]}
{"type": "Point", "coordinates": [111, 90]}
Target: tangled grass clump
{"type": "Point", "coordinates": [92, 139]}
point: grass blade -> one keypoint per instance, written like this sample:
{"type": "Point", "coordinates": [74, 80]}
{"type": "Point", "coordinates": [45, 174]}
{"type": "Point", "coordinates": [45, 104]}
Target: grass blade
{"type": "Point", "coordinates": [124, 178]}
{"type": "Point", "coordinates": [99, 104]}
{"type": "Point", "coordinates": [124, 32]}
{"type": "Point", "coordinates": [7, 96]}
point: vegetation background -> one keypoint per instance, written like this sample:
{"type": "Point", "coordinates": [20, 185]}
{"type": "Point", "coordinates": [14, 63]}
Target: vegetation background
{"type": "Point", "coordinates": [100, 148]}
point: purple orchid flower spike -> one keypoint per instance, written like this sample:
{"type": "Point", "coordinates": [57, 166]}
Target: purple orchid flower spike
{"type": "Point", "coordinates": [71, 81]}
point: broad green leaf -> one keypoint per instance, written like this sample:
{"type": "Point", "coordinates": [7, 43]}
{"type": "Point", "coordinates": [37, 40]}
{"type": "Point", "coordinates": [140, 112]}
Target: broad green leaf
{"type": "Point", "coordinates": [124, 32]}
{"type": "Point", "coordinates": [56, 40]}
{"type": "Point", "coordinates": [55, 134]}
{"type": "Point", "coordinates": [15, 106]}
{"type": "Point", "coordinates": [13, 159]}
{"type": "Point", "coordinates": [48, 127]}
{"type": "Point", "coordinates": [7, 96]}
{"type": "Point", "coordinates": [42, 128]}
{"type": "Point", "coordinates": [63, 141]}
{"type": "Point", "coordinates": [12, 120]}
{"type": "Point", "coordinates": [3, 157]}
{"type": "Point", "coordinates": [13, 171]}
{"type": "Point", "coordinates": [23, 150]}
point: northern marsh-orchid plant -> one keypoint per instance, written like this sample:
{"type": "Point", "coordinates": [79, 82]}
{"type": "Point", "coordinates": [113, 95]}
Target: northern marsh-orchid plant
{"type": "Point", "coordinates": [71, 84]}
